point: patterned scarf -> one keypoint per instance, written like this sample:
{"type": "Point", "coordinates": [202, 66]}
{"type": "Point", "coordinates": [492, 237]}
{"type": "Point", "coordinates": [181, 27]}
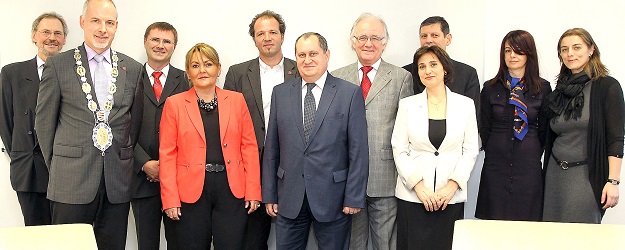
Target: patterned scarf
{"type": "Point", "coordinates": [568, 99]}
{"type": "Point", "coordinates": [517, 98]}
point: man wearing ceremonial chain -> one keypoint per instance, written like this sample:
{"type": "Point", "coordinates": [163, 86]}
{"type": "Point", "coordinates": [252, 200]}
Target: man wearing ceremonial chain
{"type": "Point", "coordinates": [88, 118]}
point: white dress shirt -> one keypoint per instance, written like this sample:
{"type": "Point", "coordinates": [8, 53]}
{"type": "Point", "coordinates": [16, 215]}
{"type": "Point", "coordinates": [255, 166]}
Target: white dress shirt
{"type": "Point", "coordinates": [269, 78]}
{"type": "Point", "coordinates": [316, 91]}
{"type": "Point", "coordinates": [163, 77]}
{"type": "Point", "coordinates": [40, 64]}
{"type": "Point", "coordinates": [371, 73]}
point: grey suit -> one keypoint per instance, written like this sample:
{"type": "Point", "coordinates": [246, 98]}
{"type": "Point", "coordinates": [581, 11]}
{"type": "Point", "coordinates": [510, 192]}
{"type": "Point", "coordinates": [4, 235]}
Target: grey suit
{"type": "Point", "coordinates": [146, 202]}
{"type": "Point", "coordinates": [78, 172]}
{"type": "Point", "coordinates": [391, 83]}
{"type": "Point", "coordinates": [28, 172]}
{"type": "Point", "coordinates": [245, 78]}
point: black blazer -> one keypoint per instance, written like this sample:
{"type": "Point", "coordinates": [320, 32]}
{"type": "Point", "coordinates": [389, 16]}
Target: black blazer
{"type": "Point", "coordinates": [466, 82]}
{"type": "Point", "coordinates": [245, 78]}
{"type": "Point", "coordinates": [147, 145]}
{"type": "Point", "coordinates": [18, 100]}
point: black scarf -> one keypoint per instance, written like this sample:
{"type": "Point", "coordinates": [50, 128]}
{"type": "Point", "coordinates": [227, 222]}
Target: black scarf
{"type": "Point", "coordinates": [568, 99]}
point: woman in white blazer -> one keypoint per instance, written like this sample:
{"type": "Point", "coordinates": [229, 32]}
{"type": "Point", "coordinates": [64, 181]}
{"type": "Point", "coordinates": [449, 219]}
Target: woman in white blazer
{"type": "Point", "coordinates": [435, 144]}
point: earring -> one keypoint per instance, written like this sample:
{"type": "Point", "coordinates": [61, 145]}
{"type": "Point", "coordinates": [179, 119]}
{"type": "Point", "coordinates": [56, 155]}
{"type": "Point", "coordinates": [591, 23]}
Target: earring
{"type": "Point", "coordinates": [445, 72]}
{"type": "Point", "coordinates": [590, 55]}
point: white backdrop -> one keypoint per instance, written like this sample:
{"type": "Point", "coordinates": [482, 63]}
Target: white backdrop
{"type": "Point", "coordinates": [477, 28]}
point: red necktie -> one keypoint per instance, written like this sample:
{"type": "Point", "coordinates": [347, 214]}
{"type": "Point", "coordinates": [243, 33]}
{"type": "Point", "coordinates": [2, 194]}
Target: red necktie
{"type": "Point", "coordinates": [158, 87]}
{"type": "Point", "coordinates": [366, 83]}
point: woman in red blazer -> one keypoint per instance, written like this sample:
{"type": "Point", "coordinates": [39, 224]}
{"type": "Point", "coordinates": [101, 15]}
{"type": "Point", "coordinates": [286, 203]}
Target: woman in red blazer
{"type": "Point", "coordinates": [209, 164]}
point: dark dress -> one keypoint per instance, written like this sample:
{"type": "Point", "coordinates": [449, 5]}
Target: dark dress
{"type": "Point", "coordinates": [511, 186]}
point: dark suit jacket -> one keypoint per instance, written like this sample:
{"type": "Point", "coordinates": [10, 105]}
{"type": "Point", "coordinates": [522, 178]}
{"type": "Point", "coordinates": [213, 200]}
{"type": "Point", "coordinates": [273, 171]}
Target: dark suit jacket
{"type": "Point", "coordinates": [147, 145]}
{"type": "Point", "coordinates": [332, 169]}
{"type": "Point", "coordinates": [18, 99]}
{"type": "Point", "coordinates": [64, 127]}
{"type": "Point", "coordinates": [245, 78]}
{"type": "Point", "coordinates": [466, 82]}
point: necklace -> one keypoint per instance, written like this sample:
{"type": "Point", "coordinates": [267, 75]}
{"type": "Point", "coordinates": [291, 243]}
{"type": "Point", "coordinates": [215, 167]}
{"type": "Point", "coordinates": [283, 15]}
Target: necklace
{"type": "Point", "coordinates": [435, 104]}
{"type": "Point", "coordinates": [102, 134]}
{"type": "Point", "coordinates": [208, 106]}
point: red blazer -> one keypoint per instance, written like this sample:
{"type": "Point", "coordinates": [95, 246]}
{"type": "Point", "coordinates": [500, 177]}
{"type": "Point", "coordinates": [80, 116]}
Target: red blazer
{"type": "Point", "coordinates": [182, 148]}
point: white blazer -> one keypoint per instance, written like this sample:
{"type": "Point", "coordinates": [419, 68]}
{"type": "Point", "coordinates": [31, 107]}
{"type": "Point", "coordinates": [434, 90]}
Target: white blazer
{"type": "Point", "coordinates": [417, 159]}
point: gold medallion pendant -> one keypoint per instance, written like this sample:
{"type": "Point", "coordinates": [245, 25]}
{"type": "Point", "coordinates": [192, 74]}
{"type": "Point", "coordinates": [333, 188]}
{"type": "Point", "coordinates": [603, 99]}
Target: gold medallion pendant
{"type": "Point", "coordinates": [102, 136]}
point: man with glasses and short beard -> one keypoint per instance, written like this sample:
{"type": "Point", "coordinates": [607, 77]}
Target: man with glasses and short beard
{"type": "Point", "coordinates": [383, 85]}
{"type": "Point", "coordinates": [19, 87]}
{"type": "Point", "coordinates": [160, 80]}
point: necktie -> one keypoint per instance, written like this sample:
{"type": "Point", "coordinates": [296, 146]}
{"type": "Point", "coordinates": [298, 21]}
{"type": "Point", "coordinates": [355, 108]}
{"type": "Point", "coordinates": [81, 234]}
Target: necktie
{"type": "Point", "coordinates": [309, 110]}
{"type": "Point", "coordinates": [101, 82]}
{"type": "Point", "coordinates": [366, 83]}
{"type": "Point", "coordinates": [158, 87]}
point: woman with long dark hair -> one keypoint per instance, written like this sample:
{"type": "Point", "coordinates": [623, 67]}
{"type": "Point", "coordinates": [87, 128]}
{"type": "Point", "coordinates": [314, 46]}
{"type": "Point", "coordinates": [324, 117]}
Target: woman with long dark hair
{"type": "Point", "coordinates": [512, 130]}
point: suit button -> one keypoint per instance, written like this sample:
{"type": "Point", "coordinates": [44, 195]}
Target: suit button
{"type": "Point", "coordinates": [512, 139]}
{"type": "Point", "coordinates": [262, 128]}
{"type": "Point", "coordinates": [225, 145]}
{"type": "Point", "coordinates": [30, 132]}
{"type": "Point", "coordinates": [228, 161]}
{"type": "Point", "coordinates": [35, 152]}
{"type": "Point", "coordinates": [436, 153]}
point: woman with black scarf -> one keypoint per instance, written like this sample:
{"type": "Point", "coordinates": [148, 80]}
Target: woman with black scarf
{"type": "Point", "coordinates": [584, 148]}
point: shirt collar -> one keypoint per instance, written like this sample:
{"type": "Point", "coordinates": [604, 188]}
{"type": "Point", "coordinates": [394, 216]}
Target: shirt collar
{"type": "Point", "coordinates": [320, 82]}
{"type": "Point", "coordinates": [264, 67]}
{"type": "Point", "coordinates": [150, 70]}
{"type": "Point", "coordinates": [40, 62]}
{"type": "Point", "coordinates": [91, 53]}
{"type": "Point", "coordinates": [375, 66]}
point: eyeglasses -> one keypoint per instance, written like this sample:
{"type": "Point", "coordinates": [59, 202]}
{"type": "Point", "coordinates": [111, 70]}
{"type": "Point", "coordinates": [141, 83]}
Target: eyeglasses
{"type": "Point", "coordinates": [47, 33]}
{"type": "Point", "coordinates": [157, 40]}
{"type": "Point", "coordinates": [373, 39]}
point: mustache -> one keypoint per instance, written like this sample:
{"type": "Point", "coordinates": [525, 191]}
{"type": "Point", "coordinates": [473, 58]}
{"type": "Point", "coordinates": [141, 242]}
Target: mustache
{"type": "Point", "coordinates": [51, 42]}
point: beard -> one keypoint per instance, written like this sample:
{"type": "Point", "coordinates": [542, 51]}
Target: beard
{"type": "Point", "coordinates": [43, 48]}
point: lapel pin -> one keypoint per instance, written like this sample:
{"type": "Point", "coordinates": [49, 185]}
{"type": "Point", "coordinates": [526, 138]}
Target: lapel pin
{"type": "Point", "coordinates": [123, 67]}
{"type": "Point", "coordinates": [289, 73]}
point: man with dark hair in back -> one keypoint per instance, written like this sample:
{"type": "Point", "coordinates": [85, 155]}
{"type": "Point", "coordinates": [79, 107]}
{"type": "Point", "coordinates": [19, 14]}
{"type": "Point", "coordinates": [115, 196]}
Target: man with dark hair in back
{"type": "Point", "coordinates": [19, 86]}
{"type": "Point", "coordinates": [434, 31]}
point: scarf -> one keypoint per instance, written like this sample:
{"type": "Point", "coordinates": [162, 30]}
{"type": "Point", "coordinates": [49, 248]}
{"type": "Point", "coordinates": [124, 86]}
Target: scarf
{"type": "Point", "coordinates": [568, 99]}
{"type": "Point", "coordinates": [517, 98]}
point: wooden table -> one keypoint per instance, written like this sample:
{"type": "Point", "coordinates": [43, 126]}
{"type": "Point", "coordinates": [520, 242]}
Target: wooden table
{"type": "Point", "coordinates": [510, 235]}
{"type": "Point", "coordinates": [67, 236]}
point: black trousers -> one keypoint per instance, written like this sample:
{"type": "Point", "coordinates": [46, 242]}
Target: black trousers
{"type": "Point", "coordinates": [35, 208]}
{"type": "Point", "coordinates": [258, 228]}
{"type": "Point", "coordinates": [420, 229]}
{"type": "Point", "coordinates": [148, 215]}
{"type": "Point", "coordinates": [110, 221]}
{"type": "Point", "coordinates": [217, 216]}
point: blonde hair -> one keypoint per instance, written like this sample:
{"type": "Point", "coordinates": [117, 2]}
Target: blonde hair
{"type": "Point", "coordinates": [204, 49]}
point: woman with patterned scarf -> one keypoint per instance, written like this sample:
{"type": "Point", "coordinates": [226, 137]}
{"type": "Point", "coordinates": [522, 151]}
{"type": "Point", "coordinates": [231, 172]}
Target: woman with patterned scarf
{"type": "Point", "coordinates": [512, 130]}
{"type": "Point", "coordinates": [584, 149]}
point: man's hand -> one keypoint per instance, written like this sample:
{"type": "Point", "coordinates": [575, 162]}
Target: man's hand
{"type": "Point", "coordinates": [272, 209]}
{"type": "Point", "coordinates": [151, 170]}
{"type": "Point", "coordinates": [351, 210]}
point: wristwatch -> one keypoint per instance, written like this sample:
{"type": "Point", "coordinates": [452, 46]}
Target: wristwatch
{"type": "Point", "coordinates": [614, 182]}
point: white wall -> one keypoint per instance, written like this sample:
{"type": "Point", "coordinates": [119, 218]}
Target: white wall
{"type": "Point", "coordinates": [477, 28]}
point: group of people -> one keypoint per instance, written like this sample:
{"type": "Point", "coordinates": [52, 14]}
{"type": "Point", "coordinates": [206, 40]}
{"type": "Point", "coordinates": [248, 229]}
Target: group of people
{"type": "Point", "coordinates": [369, 152]}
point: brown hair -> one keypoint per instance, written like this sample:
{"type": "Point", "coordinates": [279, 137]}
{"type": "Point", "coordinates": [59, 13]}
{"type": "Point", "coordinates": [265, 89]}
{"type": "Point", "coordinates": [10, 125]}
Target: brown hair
{"type": "Point", "coordinates": [164, 26]}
